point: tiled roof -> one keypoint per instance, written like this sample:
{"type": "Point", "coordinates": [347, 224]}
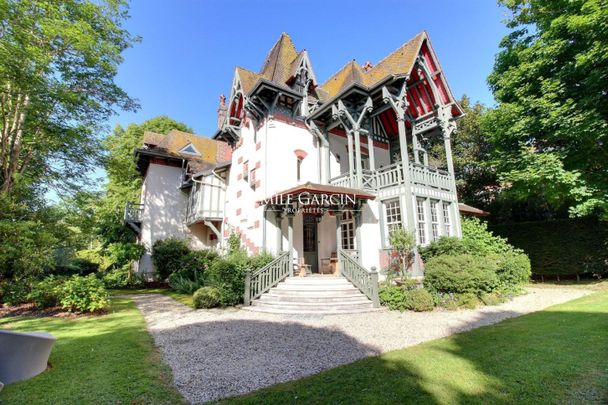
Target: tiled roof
{"type": "Point", "coordinates": [277, 66]}
{"type": "Point", "coordinates": [401, 61]}
{"type": "Point", "coordinates": [152, 138]}
{"type": "Point", "coordinates": [248, 79]}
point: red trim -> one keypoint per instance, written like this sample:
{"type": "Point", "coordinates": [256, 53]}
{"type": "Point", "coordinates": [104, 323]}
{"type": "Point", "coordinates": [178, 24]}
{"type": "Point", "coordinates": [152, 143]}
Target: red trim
{"type": "Point", "coordinates": [240, 160]}
{"type": "Point", "coordinates": [258, 146]}
{"type": "Point", "coordinates": [300, 154]}
{"type": "Point", "coordinates": [238, 211]}
{"type": "Point", "coordinates": [258, 165]}
{"type": "Point", "coordinates": [239, 194]}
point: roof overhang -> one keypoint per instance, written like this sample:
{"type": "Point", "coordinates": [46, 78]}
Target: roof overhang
{"type": "Point", "coordinates": [472, 211]}
{"type": "Point", "coordinates": [143, 156]}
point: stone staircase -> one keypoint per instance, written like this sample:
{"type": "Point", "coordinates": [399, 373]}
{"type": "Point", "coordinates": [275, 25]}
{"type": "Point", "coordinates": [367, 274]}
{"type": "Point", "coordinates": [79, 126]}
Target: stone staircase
{"type": "Point", "coordinates": [315, 295]}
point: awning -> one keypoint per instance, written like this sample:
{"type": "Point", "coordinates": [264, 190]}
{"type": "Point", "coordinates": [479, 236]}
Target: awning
{"type": "Point", "coordinates": [319, 196]}
{"type": "Point", "coordinates": [468, 210]}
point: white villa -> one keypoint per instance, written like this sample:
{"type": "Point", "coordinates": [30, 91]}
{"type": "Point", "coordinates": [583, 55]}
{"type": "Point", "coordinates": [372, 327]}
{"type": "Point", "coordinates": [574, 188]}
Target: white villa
{"type": "Point", "coordinates": [317, 173]}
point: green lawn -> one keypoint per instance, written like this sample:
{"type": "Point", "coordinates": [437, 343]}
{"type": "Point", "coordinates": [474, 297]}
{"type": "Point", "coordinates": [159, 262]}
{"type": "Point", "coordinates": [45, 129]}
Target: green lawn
{"type": "Point", "coordinates": [96, 360]}
{"type": "Point", "coordinates": [559, 355]}
{"type": "Point", "coordinates": [185, 299]}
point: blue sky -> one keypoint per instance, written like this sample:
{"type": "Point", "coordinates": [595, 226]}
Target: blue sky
{"type": "Point", "coordinates": [190, 48]}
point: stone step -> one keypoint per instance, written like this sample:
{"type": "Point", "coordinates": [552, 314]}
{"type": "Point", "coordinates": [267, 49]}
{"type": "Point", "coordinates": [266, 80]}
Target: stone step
{"type": "Point", "coordinates": [270, 310]}
{"type": "Point", "coordinates": [316, 280]}
{"type": "Point", "coordinates": [293, 286]}
{"type": "Point", "coordinates": [313, 305]}
{"type": "Point", "coordinates": [321, 292]}
{"type": "Point", "coordinates": [358, 298]}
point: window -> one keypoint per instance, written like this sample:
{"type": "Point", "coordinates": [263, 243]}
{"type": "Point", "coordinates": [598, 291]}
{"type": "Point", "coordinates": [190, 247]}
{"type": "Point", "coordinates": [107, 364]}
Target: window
{"type": "Point", "coordinates": [434, 219]}
{"type": "Point", "coordinates": [446, 219]}
{"type": "Point", "coordinates": [348, 230]}
{"type": "Point", "coordinates": [246, 170]}
{"type": "Point", "coordinates": [393, 216]}
{"type": "Point", "coordinates": [189, 149]}
{"type": "Point", "coordinates": [421, 222]}
{"type": "Point", "coordinates": [299, 168]}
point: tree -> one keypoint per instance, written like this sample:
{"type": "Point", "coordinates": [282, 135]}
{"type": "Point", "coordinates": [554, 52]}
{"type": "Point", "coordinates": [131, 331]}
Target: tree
{"type": "Point", "coordinates": [58, 61]}
{"type": "Point", "coordinates": [124, 181]}
{"type": "Point", "coordinates": [551, 125]}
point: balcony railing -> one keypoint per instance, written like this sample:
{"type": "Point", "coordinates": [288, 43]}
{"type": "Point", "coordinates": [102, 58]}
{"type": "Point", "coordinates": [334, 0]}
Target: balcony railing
{"type": "Point", "coordinates": [133, 212]}
{"type": "Point", "coordinates": [392, 175]}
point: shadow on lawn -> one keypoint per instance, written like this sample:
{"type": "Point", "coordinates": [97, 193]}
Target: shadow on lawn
{"type": "Point", "coordinates": [550, 356]}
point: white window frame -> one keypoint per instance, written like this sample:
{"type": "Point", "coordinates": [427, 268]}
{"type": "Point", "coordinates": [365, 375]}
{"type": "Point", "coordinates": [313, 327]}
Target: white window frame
{"type": "Point", "coordinates": [435, 231]}
{"type": "Point", "coordinates": [421, 220]}
{"type": "Point", "coordinates": [447, 223]}
{"type": "Point", "coordinates": [393, 217]}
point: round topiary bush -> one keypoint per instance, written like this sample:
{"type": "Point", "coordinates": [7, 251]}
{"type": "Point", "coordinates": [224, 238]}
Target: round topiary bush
{"type": "Point", "coordinates": [207, 297]}
{"type": "Point", "coordinates": [419, 300]}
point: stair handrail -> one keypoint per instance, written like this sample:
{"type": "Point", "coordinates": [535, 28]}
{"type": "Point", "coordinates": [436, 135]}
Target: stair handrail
{"type": "Point", "coordinates": [260, 281]}
{"type": "Point", "coordinates": [366, 281]}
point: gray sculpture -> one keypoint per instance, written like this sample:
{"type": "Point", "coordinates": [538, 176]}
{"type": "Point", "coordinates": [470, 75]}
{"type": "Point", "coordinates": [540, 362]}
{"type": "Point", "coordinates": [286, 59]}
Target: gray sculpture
{"type": "Point", "coordinates": [23, 355]}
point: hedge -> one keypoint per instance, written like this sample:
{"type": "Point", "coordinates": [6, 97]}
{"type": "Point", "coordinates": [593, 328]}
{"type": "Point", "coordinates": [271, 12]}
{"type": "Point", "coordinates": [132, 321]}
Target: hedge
{"type": "Point", "coordinates": [565, 247]}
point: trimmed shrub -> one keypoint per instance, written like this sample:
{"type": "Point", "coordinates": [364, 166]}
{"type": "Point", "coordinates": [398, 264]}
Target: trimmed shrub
{"type": "Point", "coordinates": [168, 256]}
{"type": "Point", "coordinates": [467, 300]}
{"type": "Point", "coordinates": [478, 240]}
{"type": "Point", "coordinates": [461, 274]}
{"type": "Point", "coordinates": [513, 270]}
{"type": "Point", "coordinates": [207, 297]}
{"type": "Point", "coordinates": [85, 294]}
{"type": "Point", "coordinates": [563, 247]}
{"type": "Point", "coordinates": [175, 256]}
{"type": "Point", "coordinates": [446, 245]}
{"type": "Point", "coordinates": [400, 299]}
{"type": "Point", "coordinates": [228, 274]}
{"type": "Point", "coordinates": [46, 293]}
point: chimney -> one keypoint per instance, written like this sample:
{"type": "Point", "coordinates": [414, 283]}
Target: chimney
{"type": "Point", "coordinates": [221, 111]}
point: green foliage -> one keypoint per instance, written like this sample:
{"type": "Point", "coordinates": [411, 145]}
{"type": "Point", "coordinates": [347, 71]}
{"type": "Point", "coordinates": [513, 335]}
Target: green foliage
{"type": "Point", "coordinates": [494, 298]}
{"type": "Point", "coordinates": [403, 243]}
{"type": "Point", "coordinates": [548, 131]}
{"type": "Point", "coordinates": [47, 293]}
{"type": "Point", "coordinates": [58, 61]}
{"type": "Point", "coordinates": [446, 245]}
{"type": "Point", "coordinates": [563, 247]}
{"type": "Point", "coordinates": [15, 291]}
{"type": "Point", "coordinates": [513, 270]}
{"type": "Point", "coordinates": [478, 240]}
{"type": "Point", "coordinates": [467, 300]}
{"type": "Point", "coordinates": [234, 243]}
{"type": "Point", "coordinates": [84, 294]}
{"type": "Point", "coordinates": [182, 284]}
{"type": "Point", "coordinates": [207, 297]}
{"type": "Point", "coordinates": [401, 299]}
{"type": "Point", "coordinates": [228, 274]}
{"type": "Point", "coordinates": [170, 256]}
{"type": "Point", "coordinates": [77, 265]}
{"type": "Point", "coordinates": [461, 274]}
{"type": "Point", "coordinates": [121, 277]}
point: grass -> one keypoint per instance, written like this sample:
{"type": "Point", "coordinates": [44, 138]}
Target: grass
{"type": "Point", "coordinates": [557, 355]}
{"type": "Point", "coordinates": [96, 359]}
{"type": "Point", "coordinates": [185, 299]}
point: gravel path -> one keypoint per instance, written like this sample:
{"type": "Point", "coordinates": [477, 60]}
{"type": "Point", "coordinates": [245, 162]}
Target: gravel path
{"type": "Point", "coordinates": [225, 352]}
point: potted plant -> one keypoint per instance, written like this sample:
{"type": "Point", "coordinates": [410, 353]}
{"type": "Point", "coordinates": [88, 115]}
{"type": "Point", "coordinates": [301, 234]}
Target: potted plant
{"type": "Point", "coordinates": [402, 255]}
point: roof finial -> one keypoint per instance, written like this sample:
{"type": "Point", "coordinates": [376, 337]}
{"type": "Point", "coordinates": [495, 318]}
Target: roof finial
{"type": "Point", "coordinates": [222, 100]}
{"type": "Point", "coordinates": [367, 66]}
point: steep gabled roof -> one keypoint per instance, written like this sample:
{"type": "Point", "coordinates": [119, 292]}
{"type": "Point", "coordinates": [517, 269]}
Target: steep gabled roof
{"type": "Point", "coordinates": [349, 74]}
{"type": "Point", "coordinates": [248, 79]}
{"type": "Point", "coordinates": [277, 65]}
{"type": "Point", "coordinates": [401, 61]}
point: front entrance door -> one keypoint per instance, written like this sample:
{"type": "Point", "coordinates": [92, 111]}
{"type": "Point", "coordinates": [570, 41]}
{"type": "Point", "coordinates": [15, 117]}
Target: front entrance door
{"type": "Point", "coordinates": [310, 242]}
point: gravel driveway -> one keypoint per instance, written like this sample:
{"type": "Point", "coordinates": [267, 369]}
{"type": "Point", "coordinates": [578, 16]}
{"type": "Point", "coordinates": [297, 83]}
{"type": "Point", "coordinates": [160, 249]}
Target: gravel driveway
{"type": "Point", "coordinates": [220, 353]}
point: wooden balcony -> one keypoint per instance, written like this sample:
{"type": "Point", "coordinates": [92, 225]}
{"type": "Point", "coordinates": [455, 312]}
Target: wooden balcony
{"type": "Point", "coordinates": [133, 216]}
{"type": "Point", "coordinates": [392, 175]}
{"type": "Point", "coordinates": [206, 200]}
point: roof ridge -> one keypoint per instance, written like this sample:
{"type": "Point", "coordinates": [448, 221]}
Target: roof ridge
{"type": "Point", "coordinates": [423, 32]}
{"type": "Point", "coordinates": [338, 71]}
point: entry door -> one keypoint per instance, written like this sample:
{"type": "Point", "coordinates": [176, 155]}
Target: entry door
{"type": "Point", "coordinates": [310, 243]}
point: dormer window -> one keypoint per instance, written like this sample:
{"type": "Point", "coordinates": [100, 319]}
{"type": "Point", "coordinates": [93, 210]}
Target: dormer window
{"type": "Point", "coordinates": [190, 150]}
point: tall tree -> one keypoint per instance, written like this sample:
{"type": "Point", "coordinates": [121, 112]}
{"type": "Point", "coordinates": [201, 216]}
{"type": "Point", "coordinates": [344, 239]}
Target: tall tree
{"type": "Point", "coordinates": [124, 182]}
{"type": "Point", "coordinates": [58, 61]}
{"type": "Point", "coordinates": [550, 130]}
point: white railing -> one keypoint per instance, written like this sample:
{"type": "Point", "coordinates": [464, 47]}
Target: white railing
{"type": "Point", "coordinates": [392, 175]}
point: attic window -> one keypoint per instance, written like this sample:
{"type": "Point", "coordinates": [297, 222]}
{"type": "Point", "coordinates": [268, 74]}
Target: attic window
{"type": "Point", "coordinates": [285, 101]}
{"type": "Point", "coordinates": [189, 149]}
